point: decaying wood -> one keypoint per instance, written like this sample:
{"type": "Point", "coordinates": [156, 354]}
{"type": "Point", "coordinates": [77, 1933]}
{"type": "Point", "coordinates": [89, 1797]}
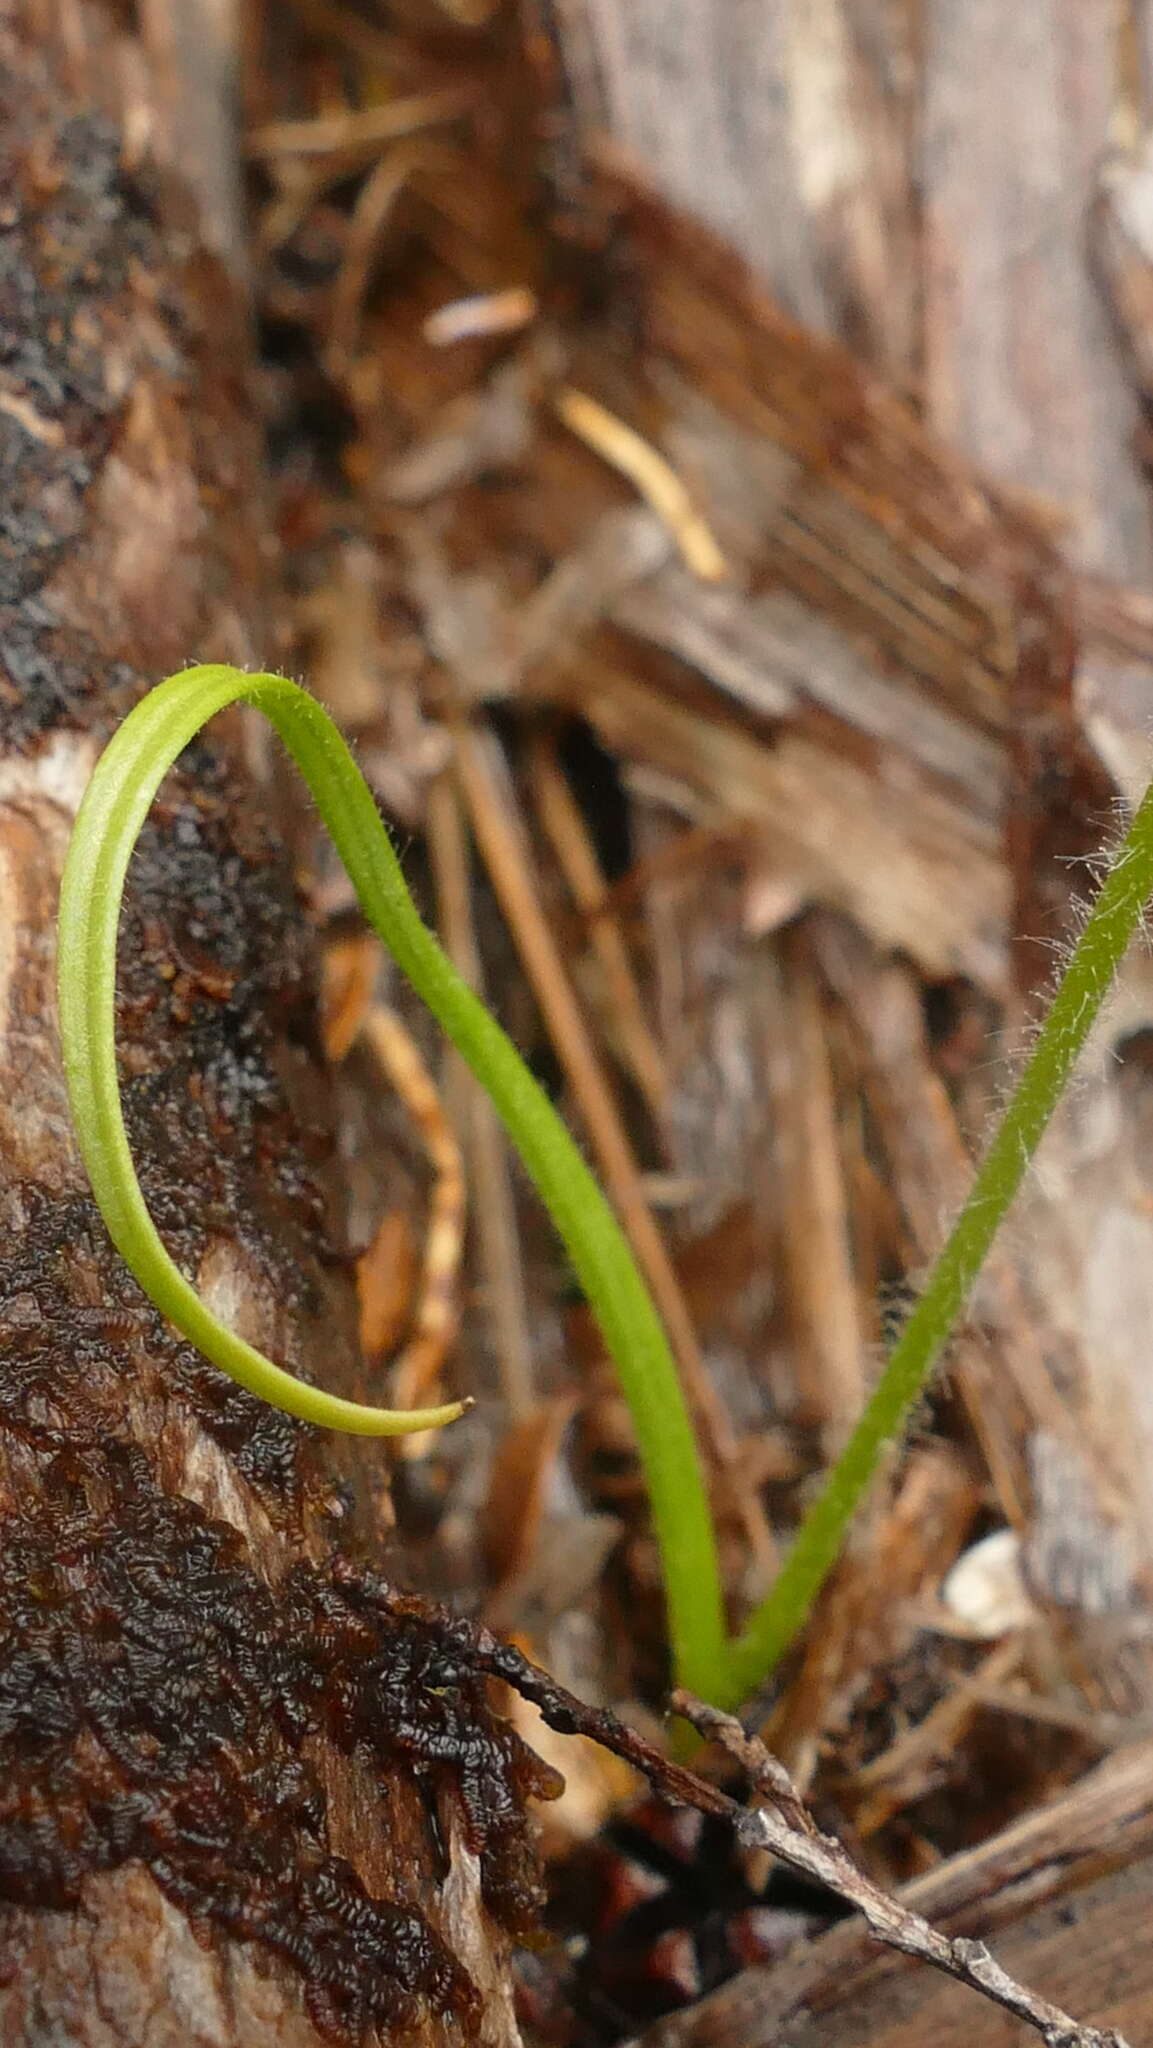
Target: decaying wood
{"type": "Point", "coordinates": [779, 1822]}
{"type": "Point", "coordinates": [900, 708]}
{"type": "Point", "coordinates": [1018, 115]}
{"type": "Point", "coordinates": [792, 140]}
{"type": "Point", "coordinates": [1064, 1894]}
{"type": "Point", "coordinates": [916, 183]}
{"type": "Point", "coordinates": [214, 1828]}
{"type": "Point", "coordinates": [866, 708]}
{"type": "Point", "coordinates": [872, 625]}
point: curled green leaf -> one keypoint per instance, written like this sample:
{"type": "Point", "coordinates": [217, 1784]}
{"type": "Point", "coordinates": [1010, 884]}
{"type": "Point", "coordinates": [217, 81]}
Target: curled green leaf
{"type": "Point", "coordinates": [114, 809]}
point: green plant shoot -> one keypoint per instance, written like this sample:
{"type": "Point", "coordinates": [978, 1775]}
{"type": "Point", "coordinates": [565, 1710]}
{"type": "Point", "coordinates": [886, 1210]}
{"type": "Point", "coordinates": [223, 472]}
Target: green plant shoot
{"type": "Point", "coordinates": [115, 806]}
{"type": "Point", "coordinates": [114, 809]}
{"type": "Point", "coordinates": [1106, 934]}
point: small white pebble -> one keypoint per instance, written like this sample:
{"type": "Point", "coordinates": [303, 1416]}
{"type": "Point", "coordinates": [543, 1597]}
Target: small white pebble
{"type": "Point", "coordinates": [986, 1588]}
{"type": "Point", "coordinates": [483, 314]}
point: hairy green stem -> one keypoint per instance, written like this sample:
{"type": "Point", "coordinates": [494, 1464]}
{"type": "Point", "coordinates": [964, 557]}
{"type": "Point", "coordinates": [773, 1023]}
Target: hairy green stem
{"type": "Point", "coordinates": [114, 809]}
{"type": "Point", "coordinates": [1108, 930]}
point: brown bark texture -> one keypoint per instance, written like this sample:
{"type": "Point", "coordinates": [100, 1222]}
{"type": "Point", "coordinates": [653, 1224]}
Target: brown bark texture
{"type": "Point", "coordinates": [246, 1794]}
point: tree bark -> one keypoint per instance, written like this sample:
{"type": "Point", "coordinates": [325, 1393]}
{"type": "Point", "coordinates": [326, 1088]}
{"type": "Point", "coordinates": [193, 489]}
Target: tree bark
{"type": "Point", "coordinates": [917, 182]}
{"type": "Point", "coordinates": [792, 139]}
{"type": "Point", "coordinates": [1022, 364]}
{"type": "Point", "coordinates": [245, 1793]}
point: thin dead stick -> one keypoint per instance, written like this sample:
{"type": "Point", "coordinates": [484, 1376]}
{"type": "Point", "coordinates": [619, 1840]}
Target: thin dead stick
{"type": "Point", "coordinates": [655, 478]}
{"type": "Point", "coordinates": [437, 1316]}
{"type": "Point", "coordinates": [820, 1281]}
{"type": "Point", "coordinates": [364, 128]}
{"type": "Point", "coordinates": [561, 819]}
{"type": "Point", "coordinates": [297, 185]}
{"type": "Point", "coordinates": [352, 1014]}
{"type": "Point", "coordinates": [350, 970]}
{"type": "Point", "coordinates": [499, 839]}
{"type": "Point", "coordinates": [783, 1825]}
{"type": "Point", "coordinates": [493, 1207]}
{"type": "Point", "coordinates": [375, 205]}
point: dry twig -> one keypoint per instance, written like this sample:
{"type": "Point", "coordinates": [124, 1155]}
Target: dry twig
{"type": "Point", "coordinates": [371, 217]}
{"type": "Point", "coordinates": [500, 841]}
{"type": "Point", "coordinates": [655, 479]}
{"type": "Point", "coordinates": [354, 1014]}
{"type": "Point", "coordinates": [493, 1208]}
{"type": "Point", "coordinates": [782, 1824]}
{"type": "Point", "coordinates": [817, 1248]}
{"type": "Point", "coordinates": [568, 835]}
{"type": "Point", "coordinates": [437, 1314]}
{"type": "Point", "coordinates": [365, 128]}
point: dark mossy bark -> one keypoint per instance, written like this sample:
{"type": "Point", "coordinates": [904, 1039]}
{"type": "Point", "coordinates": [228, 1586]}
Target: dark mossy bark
{"type": "Point", "coordinates": [245, 1793]}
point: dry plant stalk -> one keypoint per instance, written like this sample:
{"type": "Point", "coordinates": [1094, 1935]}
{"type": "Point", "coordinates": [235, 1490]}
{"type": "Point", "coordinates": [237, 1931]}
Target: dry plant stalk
{"type": "Point", "coordinates": [500, 843]}
{"type": "Point", "coordinates": [782, 1824]}
{"type": "Point", "coordinates": [564, 825]}
{"type": "Point", "coordinates": [489, 1175]}
{"type": "Point", "coordinates": [437, 1315]}
{"type": "Point", "coordinates": [654, 477]}
{"type": "Point", "coordinates": [369, 129]}
{"type": "Point", "coordinates": [354, 1014]}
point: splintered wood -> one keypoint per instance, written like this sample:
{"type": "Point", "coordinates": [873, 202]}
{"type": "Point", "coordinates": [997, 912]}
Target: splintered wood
{"type": "Point", "coordinates": [758, 742]}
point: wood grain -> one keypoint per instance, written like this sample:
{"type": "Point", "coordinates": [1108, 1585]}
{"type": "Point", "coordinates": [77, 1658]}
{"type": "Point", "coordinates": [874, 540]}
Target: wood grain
{"type": "Point", "coordinates": [791, 140]}
{"type": "Point", "coordinates": [1022, 367]}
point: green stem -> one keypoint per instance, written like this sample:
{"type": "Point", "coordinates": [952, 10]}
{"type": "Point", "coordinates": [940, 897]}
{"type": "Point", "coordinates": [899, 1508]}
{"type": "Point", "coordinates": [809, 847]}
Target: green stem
{"type": "Point", "coordinates": [114, 809]}
{"type": "Point", "coordinates": [1095, 960]}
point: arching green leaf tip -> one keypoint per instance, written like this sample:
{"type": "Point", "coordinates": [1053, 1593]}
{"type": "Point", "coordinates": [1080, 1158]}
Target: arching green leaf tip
{"type": "Point", "coordinates": [722, 1671]}
{"type": "Point", "coordinates": [114, 809]}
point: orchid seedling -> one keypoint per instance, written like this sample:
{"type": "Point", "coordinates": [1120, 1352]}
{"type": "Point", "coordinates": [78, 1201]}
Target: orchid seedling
{"type": "Point", "coordinates": [707, 1662]}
